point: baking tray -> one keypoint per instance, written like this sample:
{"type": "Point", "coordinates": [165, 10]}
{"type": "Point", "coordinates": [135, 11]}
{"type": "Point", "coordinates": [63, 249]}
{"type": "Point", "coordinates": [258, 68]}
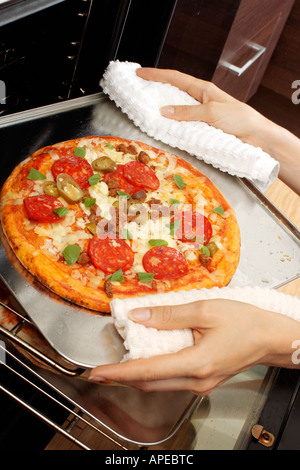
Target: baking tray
{"type": "Point", "coordinates": [270, 255]}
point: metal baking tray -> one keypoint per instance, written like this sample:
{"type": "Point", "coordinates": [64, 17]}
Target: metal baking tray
{"type": "Point", "coordinates": [270, 254]}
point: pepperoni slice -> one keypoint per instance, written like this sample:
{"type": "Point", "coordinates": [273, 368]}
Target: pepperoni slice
{"type": "Point", "coordinates": [122, 183]}
{"type": "Point", "coordinates": [110, 254]}
{"type": "Point", "coordinates": [141, 175]}
{"type": "Point", "coordinates": [78, 168]}
{"type": "Point", "coordinates": [193, 226]}
{"type": "Point", "coordinates": [41, 207]}
{"type": "Point", "coordinates": [165, 262]}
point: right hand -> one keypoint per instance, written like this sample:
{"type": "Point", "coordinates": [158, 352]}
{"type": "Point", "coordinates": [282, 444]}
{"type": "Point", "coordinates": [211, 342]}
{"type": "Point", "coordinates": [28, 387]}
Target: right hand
{"type": "Point", "coordinates": [216, 107]}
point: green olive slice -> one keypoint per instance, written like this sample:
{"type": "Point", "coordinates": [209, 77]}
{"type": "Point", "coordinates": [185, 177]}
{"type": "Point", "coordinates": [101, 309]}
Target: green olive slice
{"type": "Point", "coordinates": [50, 188]}
{"type": "Point", "coordinates": [212, 248]}
{"type": "Point", "coordinates": [105, 164]}
{"type": "Point", "coordinates": [68, 188]}
{"type": "Point", "coordinates": [92, 228]}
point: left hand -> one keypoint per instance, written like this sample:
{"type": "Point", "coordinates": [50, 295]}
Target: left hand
{"type": "Point", "coordinates": [230, 337]}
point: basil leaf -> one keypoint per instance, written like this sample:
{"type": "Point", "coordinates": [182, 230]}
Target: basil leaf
{"type": "Point", "coordinates": [80, 152]}
{"type": "Point", "coordinates": [71, 254]}
{"type": "Point", "coordinates": [94, 179]}
{"type": "Point", "coordinates": [126, 234]}
{"type": "Point", "coordinates": [89, 201]}
{"type": "Point", "coordinates": [145, 277]}
{"type": "Point", "coordinates": [61, 211]}
{"type": "Point", "coordinates": [174, 226]}
{"type": "Point", "coordinates": [179, 181]}
{"type": "Point", "coordinates": [174, 202]}
{"type": "Point", "coordinates": [157, 242]}
{"type": "Point", "coordinates": [35, 175]}
{"type": "Point", "coordinates": [122, 194]}
{"type": "Point", "coordinates": [203, 249]}
{"type": "Point", "coordinates": [219, 210]}
{"type": "Point", "coordinates": [117, 276]}
{"type": "Point", "coordinates": [110, 146]}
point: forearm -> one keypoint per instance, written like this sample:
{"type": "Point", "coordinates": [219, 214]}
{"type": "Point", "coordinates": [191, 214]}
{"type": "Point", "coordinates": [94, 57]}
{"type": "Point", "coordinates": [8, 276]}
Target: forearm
{"type": "Point", "coordinates": [283, 343]}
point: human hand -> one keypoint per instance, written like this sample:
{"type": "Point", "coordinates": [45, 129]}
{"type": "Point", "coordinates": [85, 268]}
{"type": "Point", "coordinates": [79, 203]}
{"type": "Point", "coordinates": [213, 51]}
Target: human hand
{"type": "Point", "coordinates": [216, 107]}
{"type": "Point", "coordinates": [230, 337]}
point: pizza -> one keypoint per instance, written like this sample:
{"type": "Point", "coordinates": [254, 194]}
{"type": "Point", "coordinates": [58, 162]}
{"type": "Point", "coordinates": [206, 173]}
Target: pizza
{"type": "Point", "coordinates": [100, 217]}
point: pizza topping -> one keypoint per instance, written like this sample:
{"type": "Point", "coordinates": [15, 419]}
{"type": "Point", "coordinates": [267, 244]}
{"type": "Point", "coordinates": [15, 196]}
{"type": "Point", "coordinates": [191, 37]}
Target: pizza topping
{"type": "Point", "coordinates": [158, 242]}
{"type": "Point", "coordinates": [92, 228]}
{"type": "Point", "coordinates": [204, 250]}
{"type": "Point", "coordinates": [139, 195]}
{"type": "Point", "coordinates": [50, 188]}
{"type": "Point", "coordinates": [41, 208]}
{"type": "Point", "coordinates": [77, 168]}
{"type": "Point", "coordinates": [68, 188]}
{"type": "Point", "coordinates": [110, 254]}
{"type": "Point", "coordinates": [219, 210]}
{"type": "Point", "coordinates": [61, 211]}
{"type": "Point", "coordinates": [141, 175]}
{"type": "Point", "coordinates": [94, 179]}
{"type": "Point", "coordinates": [108, 288]}
{"type": "Point", "coordinates": [192, 226]}
{"type": "Point", "coordinates": [174, 202]}
{"type": "Point", "coordinates": [35, 175]}
{"type": "Point", "coordinates": [80, 152]}
{"type": "Point", "coordinates": [122, 194]}
{"type": "Point", "coordinates": [117, 181]}
{"type": "Point", "coordinates": [165, 263]}
{"type": "Point", "coordinates": [212, 247]}
{"type": "Point", "coordinates": [179, 181]}
{"type": "Point", "coordinates": [105, 164]}
{"type": "Point", "coordinates": [84, 258]}
{"type": "Point", "coordinates": [89, 201]}
{"type": "Point", "coordinates": [143, 157]}
{"type": "Point", "coordinates": [145, 277]}
{"type": "Point", "coordinates": [204, 259]}
{"type": "Point", "coordinates": [71, 254]}
{"type": "Point", "coordinates": [117, 276]}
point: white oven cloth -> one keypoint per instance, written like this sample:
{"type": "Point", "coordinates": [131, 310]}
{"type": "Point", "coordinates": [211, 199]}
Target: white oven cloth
{"type": "Point", "coordinates": [140, 341]}
{"type": "Point", "coordinates": [141, 100]}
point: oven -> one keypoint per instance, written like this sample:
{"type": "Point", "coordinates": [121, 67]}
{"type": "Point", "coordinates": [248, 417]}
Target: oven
{"type": "Point", "coordinates": [46, 400]}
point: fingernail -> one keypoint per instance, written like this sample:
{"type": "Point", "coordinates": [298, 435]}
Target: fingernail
{"type": "Point", "coordinates": [167, 110]}
{"type": "Point", "coordinates": [140, 314]}
{"type": "Point", "coordinates": [96, 378]}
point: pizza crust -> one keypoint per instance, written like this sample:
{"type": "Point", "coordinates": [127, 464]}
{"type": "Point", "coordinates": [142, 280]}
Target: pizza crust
{"type": "Point", "coordinates": [84, 285]}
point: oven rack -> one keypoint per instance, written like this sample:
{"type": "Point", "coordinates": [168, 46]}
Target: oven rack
{"type": "Point", "coordinates": [22, 369]}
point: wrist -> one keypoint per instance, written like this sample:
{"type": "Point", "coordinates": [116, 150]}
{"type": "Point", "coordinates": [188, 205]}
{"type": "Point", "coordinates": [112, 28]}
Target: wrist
{"type": "Point", "coordinates": [280, 339]}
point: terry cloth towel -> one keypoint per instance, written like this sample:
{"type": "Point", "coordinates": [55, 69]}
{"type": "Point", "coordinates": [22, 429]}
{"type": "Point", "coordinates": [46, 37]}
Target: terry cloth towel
{"type": "Point", "coordinates": [141, 100]}
{"type": "Point", "coordinates": [140, 341]}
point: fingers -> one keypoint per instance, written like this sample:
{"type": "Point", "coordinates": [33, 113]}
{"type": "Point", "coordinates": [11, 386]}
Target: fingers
{"type": "Point", "coordinates": [168, 366]}
{"type": "Point", "coordinates": [187, 113]}
{"type": "Point", "coordinates": [193, 86]}
{"type": "Point", "coordinates": [192, 315]}
{"type": "Point", "coordinates": [161, 373]}
{"type": "Point", "coordinates": [202, 90]}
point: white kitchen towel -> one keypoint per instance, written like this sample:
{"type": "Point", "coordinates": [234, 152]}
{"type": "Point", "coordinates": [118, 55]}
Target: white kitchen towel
{"type": "Point", "coordinates": [141, 100]}
{"type": "Point", "coordinates": [140, 341]}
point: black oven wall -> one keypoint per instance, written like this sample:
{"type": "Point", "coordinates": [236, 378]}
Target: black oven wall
{"type": "Point", "coordinates": [42, 53]}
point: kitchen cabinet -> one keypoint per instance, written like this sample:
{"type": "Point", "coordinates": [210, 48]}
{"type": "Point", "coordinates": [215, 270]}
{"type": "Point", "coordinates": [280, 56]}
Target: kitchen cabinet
{"type": "Point", "coordinates": [229, 43]}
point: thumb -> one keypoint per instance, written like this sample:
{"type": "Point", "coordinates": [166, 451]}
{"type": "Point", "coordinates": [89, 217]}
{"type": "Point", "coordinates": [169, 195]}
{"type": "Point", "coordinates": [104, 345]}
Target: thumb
{"type": "Point", "coordinates": [170, 317]}
{"type": "Point", "coordinates": [187, 113]}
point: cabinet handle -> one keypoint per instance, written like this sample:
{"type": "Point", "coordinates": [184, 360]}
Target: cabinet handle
{"type": "Point", "coordinates": [239, 70]}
